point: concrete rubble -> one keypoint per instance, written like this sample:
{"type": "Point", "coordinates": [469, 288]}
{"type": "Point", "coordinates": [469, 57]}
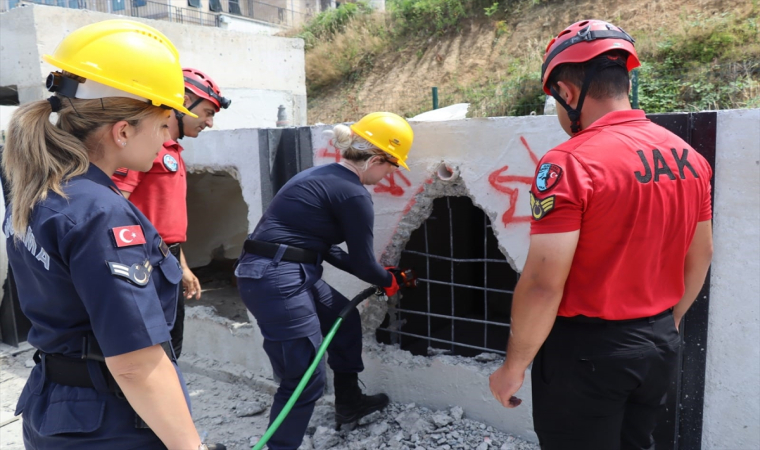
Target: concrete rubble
{"type": "Point", "coordinates": [409, 427]}
{"type": "Point", "coordinates": [236, 413]}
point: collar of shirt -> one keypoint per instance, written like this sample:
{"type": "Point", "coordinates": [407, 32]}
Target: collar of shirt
{"type": "Point", "coordinates": [95, 174]}
{"type": "Point", "coordinates": [616, 118]}
{"type": "Point", "coordinates": [173, 144]}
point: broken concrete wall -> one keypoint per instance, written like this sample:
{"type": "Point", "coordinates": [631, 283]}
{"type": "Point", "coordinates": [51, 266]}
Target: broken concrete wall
{"type": "Point", "coordinates": [492, 161]}
{"type": "Point", "coordinates": [219, 222]}
{"type": "Point", "coordinates": [257, 72]}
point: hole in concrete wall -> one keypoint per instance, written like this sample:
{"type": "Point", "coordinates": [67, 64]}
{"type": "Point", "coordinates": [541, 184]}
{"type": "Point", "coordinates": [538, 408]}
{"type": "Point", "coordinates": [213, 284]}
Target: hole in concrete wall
{"type": "Point", "coordinates": [464, 297]}
{"type": "Point", "coordinates": [9, 95]}
{"type": "Point", "coordinates": [217, 227]}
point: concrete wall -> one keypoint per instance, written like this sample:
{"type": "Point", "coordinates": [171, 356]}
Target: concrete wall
{"type": "Point", "coordinates": [732, 384]}
{"type": "Point", "coordinates": [257, 72]}
{"type": "Point", "coordinates": [233, 22]}
{"type": "Point", "coordinates": [235, 153]}
{"type": "Point", "coordinates": [494, 158]}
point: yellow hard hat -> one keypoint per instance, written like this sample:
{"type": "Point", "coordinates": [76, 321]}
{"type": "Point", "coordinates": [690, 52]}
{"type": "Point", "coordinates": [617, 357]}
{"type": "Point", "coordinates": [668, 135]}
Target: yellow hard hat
{"type": "Point", "coordinates": [127, 56]}
{"type": "Point", "coordinates": [388, 132]}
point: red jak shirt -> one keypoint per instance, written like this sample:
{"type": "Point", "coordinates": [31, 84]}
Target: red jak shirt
{"type": "Point", "coordinates": [636, 192]}
{"type": "Point", "coordinates": [160, 193]}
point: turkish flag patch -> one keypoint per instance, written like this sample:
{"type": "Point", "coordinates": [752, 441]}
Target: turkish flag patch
{"type": "Point", "coordinates": [126, 236]}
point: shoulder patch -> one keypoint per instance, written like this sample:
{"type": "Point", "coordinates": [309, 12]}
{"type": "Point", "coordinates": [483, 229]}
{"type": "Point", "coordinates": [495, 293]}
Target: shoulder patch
{"type": "Point", "coordinates": [137, 274]}
{"type": "Point", "coordinates": [128, 236]}
{"type": "Point", "coordinates": [170, 163]}
{"type": "Point", "coordinates": [163, 248]}
{"type": "Point", "coordinates": [540, 207]}
{"type": "Point", "coordinates": [548, 176]}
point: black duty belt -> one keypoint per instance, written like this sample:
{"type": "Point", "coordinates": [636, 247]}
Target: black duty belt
{"type": "Point", "coordinates": [598, 320]}
{"type": "Point", "coordinates": [73, 372]}
{"type": "Point", "coordinates": [174, 249]}
{"type": "Point", "coordinates": [269, 250]}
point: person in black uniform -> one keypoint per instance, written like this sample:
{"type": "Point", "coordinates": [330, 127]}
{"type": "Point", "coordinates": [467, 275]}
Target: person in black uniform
{"type": "Point", "coordinates": [94, 277]}
{"type": "Point", "coordinates": [279, 274]}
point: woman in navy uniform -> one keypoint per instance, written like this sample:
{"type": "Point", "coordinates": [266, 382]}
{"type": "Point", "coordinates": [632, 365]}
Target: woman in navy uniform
{"type": "Point", "coordinates": [279, 274]}
{"type": "Point", "coordinates": [95, 279]}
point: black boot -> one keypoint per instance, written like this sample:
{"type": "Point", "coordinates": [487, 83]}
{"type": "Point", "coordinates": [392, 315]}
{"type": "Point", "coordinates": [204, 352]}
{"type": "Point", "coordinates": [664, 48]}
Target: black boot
{"type": "Point", "coordinates": [351, 404]}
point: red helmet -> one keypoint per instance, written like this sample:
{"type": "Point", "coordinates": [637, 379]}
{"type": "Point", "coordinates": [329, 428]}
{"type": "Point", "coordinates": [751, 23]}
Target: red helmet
{"type": "Point", "coordinates": [583, 41]}
{"type": "Point", "coordinates": [205, 88]}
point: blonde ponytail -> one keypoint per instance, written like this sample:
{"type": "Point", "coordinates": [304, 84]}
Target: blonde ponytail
{"type": "Point", "coordinates": [39, 156]}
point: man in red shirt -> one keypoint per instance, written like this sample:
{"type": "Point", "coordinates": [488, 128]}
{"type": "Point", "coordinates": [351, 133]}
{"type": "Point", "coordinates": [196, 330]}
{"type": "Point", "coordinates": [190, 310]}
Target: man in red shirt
{"type": "Point", "coordinates": [620, 246]}
{"type": "Point", "coordinates": [161, 193]}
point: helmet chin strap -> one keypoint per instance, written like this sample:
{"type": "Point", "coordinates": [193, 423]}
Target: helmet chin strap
{"type": "Point", "coordinates": [181, 115]}
{"type": "Point", "coordinates": [574, 114]}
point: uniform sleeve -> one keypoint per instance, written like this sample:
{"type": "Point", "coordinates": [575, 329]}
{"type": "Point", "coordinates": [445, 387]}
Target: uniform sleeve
{"type": "Point", "coordinates": [340, 259]}
{"type": "Point", "coordinates": [357, 219]}
{"type": "Point", "coordinates": [127, 180]}
{"type": "Point", "coordinates": [125, 316]}
{"type": "Point", "coordinates": [559, 194]}
{"type": "Point", "coordinates": [705, 211]}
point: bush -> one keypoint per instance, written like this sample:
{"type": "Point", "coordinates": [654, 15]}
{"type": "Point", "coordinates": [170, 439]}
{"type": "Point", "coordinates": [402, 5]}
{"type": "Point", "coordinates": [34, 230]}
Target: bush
{"type": "Point", "coordinates": [433, 16]}
{"type": "Point", "coordinates": [331, 22]}
{"type": "Point", "coordinates": [346, 55]}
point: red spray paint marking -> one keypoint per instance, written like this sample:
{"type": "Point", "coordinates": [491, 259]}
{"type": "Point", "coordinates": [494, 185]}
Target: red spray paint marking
{"type": "Point", "coordinates": [329, 152]}
{"type": "Point", "coordinates": [499, 181]}
{"type": "Point", "coordinates": [393, 188]}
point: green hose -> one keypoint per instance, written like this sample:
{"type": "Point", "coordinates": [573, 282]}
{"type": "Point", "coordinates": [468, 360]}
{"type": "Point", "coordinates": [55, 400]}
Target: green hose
{"type": "Point", "coordinates": [310, 371]}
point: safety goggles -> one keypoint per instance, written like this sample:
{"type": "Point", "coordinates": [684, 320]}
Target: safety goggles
{"type": "Point", "coordinates": [391, 160]}
{"type": "Point", "coordinates": [223, 102]}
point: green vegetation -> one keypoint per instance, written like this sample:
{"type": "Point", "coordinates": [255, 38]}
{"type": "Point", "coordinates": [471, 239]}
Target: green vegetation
{"type": "Point", "coordinates": [704, 67]}
{"type": "Point", "coordinates": [432, 17]}
{"type": "Point", "coordinates": [702, 60]}
{"type": "Point", "coordinates": [331, 22]}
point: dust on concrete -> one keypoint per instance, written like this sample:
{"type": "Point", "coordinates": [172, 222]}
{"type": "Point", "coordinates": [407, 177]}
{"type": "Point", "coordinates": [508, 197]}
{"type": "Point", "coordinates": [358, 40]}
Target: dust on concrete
{"type": "Point", "coordinates": [219, 290]}
{"type": "Point", "coordinates": [224, 299]}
